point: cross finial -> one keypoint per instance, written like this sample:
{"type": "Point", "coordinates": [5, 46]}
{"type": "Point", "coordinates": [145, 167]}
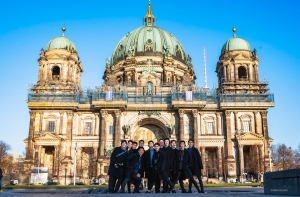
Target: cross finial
{"type": "Point", "coordinates": [149, 2]}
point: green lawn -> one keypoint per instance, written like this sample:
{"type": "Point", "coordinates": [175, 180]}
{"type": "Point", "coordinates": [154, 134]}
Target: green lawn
{"type": "Point", "coordinates": [105, 186]}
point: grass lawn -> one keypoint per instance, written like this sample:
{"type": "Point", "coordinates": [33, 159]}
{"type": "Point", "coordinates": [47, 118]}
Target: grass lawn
{"type": "Point", "coordinates": [105, 186]}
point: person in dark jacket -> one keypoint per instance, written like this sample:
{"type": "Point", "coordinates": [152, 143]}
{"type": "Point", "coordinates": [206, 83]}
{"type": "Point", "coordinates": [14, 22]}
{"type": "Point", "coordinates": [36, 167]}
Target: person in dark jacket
{"type": "Point", "coordinates": [134, 147]}
{"type": "Point", "coordinates": [182, 166]}
{"type": "Point", "coordinates": [169, 166]}
{"type": "Point", "coordinates": [116, 167]}
{"type": "Point", "coordinates": [134, 171]}
{"type": "Point", "coordinates": [197, 165]}
{"type": "Point", "coordinates": [173, 145]}
{"type": "Point", "coordinates": [1, 176]}
{"type": "Point", "coordinates": [149, 170]}
{"type": "Point", "coordinates": [159, 163]}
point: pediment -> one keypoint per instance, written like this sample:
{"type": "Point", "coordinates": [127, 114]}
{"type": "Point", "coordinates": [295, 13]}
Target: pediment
{"type": "Point", "coordinates": [241, 56]}
{"type": "Point", "coordinates": [250, 136]}
{"type": "Point", "coordinates": [48, 137]}
{"type": "Point", "coordinates": [149, 76]}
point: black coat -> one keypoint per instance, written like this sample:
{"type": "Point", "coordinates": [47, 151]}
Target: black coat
{"type": "Point", "coordinates": [132, 161]}
{"type": "Point", "coordinates": [115, 159]}
{"type": "Point", "coordinates": [170, 159]}
{"type": "Point", "coordinates": [197, 162]}
{"type": "Point", "coordinates": [161, 163]}
{"type": "Point", "coordinates": [147, 163]}
{"type": "Point", "coordinates": [186, 164]}
{"type": "Point", "coordinates": [1, 174]}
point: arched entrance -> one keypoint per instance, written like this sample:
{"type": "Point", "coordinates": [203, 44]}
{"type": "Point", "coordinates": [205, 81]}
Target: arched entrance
{"type": "Point", "coordinates": [149, 129]}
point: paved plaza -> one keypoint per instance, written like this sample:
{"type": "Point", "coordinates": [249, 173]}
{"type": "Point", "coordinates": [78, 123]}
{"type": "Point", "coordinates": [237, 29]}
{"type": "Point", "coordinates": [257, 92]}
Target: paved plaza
{"type": "Point", "coordinates": [209, 192]}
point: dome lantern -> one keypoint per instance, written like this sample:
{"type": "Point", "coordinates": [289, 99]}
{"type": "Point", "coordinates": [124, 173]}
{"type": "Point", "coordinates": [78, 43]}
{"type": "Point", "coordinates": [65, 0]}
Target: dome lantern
{"type": "Point", "coordinates": [149, 18]}
{"type": "Point", "coordinates": [61, 42]}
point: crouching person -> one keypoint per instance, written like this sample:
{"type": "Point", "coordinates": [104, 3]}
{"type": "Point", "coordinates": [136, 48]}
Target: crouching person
{"type": "Point", "coordinates": [116, 167]}
{"type": "Point", "coordinates": [134, 170]}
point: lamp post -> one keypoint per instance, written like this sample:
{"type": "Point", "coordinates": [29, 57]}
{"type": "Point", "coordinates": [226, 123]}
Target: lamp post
{"type": "Point", "coordinates": [75, 160]}
{"type": "Point", "coordinates": [270, 156]}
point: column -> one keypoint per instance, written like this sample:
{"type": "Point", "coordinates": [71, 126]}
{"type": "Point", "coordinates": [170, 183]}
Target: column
{"type": "Point", "coordinates": [95, 161]}
{"type": "Point", "coordinates": [265, 131]}
{"type": "Point", "coordinates": [228, 135]}
{"type": "Point", "coordinates": [181, 130]}
{"type": "Point", "coordinates": [236, 120]}
{"type": "Point", "coordinates": [219, 122]}
{"type": "Point", "coordinates": [215, 127]}
{"type": "Point", "coordinates": [69, 134]}
{"type": "Point", "coordinates": [29, 154]}
{"type": "Point", "coordinates": [103, 132]}
{"type": "Point", "coordinates": [261, 157]}
{"type": "Point", "coordinates": [41, 121]}
{"type": "Point", "coordinates": [43, 157]}
{"type": "Point", "coordinates": [54, 171]}
{"type": "Point", "coordinates": [93, 132]}
{"type": "Point", "coordinates": [117, 128]}
{"type": "Point", "coordinates": [98, 169]}
{"type": "Point", "coordinates": [225, 73]}
{"type": "Point", "coordinates": [79, 123]}
{"type": "Point", "coordinates": [251, 72]}
{"type": "Point", "coordinates": [201, 124]}
{"type": "Point", "coordinates": [236, 77]}
{"type": "Point", "coordinates": [96, 133]}
{"type": "Point", "coordinates": [257, 123]}
{"type": "Point", "coordinates": [78, 166]}
{"type": "Point", "coordinates": [241, 159]}
{"type": "Point", "coordinates": [248, 73]}
{"type": "Point", "coordinates": [195, 114]}
{"type": "Point", "coordinates": [61, 122]}
{"type": "Point", "coordinates": [220, 169]}
{"type": "Point", "coordinates": [203, 161]}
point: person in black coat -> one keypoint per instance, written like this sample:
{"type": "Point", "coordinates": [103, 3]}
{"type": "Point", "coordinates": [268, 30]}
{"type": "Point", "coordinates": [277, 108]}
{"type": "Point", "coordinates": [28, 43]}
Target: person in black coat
{"type": "Point", "coordinates": [149, 170]}
{"type": "Point", "coordinates": [182, 165]}
{"type": "Point", "coordinates": [159, 163]}
{"type": "Point", "coordinates": [134, 171]}
{"type": "Point", "coordinates": [173, 146]}
{"type": "Point", "coordinates": [116, 167]}
{"type": "Point", "coordinates": [169, 166]}
{"type": "Point", "coordinates": [197, 165]}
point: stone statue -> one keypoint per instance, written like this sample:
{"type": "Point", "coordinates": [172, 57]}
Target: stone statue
{"type": "Point", "coordinates": [131, 51]}
{"type": "Point", "coordinates": [189, 60]}
{"type": "Point", "coordinates": [108, 150]}
{"type": "Point", "coordinates": [171, 129]}
{"type": "Point", "coordinates": [149, 89]}
{"type": "Point", "coordinates": [126, 129]}
{"type": "Point", "coordinates": [108, 61]}
{"type": "Point", "coordinates": [166, 50]}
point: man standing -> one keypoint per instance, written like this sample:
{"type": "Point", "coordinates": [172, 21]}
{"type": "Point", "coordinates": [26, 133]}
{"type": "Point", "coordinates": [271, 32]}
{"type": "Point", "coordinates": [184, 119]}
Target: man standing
{"type": "Point", "coordinates": [197, 165]}
{"type": "Point", "coordinates": [149, 170]}
{"type": "Point", "coordinates": [173, 144]}
{"type": "Point", "coordinates": [161, 143]}
{"type": "Point", "coordinates": [116, 167]}
{"type": "Point", "coordinates": [134, 170]}
{"type": "Point", "coordinates": [134, 147]}
{"type": "Point", "coordinates": [183, 164]}
{"type": "Point", "coordinates": [141, 143]}
{"type": "Point", "coordinates": [169, 167]}
{"type": "Point", "coordinates": [1, 176]}
{"type": "Point", "coordinates": [159, 163]}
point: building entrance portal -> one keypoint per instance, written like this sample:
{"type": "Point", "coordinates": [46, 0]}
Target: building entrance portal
{"type": "Point", "coordinates": [147, 133]}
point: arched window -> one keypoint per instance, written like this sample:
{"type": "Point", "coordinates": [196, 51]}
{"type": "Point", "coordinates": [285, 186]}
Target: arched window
{"type": "Point", "coordinates": [55, 73]}
{"type": "Point", "coordinates": [242, 73]}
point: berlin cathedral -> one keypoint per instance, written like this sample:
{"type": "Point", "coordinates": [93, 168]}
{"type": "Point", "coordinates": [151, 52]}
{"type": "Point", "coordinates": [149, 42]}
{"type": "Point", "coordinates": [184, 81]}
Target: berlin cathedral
{"type": "Point", "coordinates": [148, 93]}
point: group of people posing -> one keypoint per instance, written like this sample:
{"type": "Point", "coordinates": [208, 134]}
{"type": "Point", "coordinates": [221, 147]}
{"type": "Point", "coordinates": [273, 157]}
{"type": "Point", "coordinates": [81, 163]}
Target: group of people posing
{"type": "Point", "coordinates": [130, 163]}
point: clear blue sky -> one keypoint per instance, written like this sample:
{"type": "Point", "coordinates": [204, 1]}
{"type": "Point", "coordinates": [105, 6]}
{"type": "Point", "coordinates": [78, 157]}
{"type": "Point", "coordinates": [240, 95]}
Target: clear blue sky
{"type": "Point", "coordinates": [272, 27]}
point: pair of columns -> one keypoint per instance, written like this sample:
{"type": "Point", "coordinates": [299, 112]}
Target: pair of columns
{"type": "Point", "coordinates": [232, 70]}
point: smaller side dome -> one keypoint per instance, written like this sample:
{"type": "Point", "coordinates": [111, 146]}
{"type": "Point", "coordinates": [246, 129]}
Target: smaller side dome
{"type": "Point", "coordinates": [61, 42]}
{"type": "Point", "coordinates": [235, 43]}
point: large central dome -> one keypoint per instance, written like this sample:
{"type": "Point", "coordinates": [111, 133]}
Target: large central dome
{"type": "Point", "coordinates": [149, 40]}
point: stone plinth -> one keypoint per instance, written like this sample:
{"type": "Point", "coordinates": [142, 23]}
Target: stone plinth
{"type": "Point", "coordinates": [286, 182]}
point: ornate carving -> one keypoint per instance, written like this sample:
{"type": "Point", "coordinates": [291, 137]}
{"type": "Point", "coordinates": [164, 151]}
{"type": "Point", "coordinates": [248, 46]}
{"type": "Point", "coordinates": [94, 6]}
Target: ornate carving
{"type": "Point", "coordinates": [171, 129]}
{"type": "Point", "coordinates": [103, 113]}
{"type": "Point", "coordinates": [181, 112]}
{"type": "Point", "coordinates": [126, 129]}
{"type": "Point", "coordinates": [117, 113]}
{"type": "Point", "coordinates": [187, 79]}
{"type": "Point", "coordinates": [195, 113]}
{"type": "Point", "coordinates": [149, 113]}
{"type": "Point", "coordinates": [131, 51]}
{"type": "Point", "coordinates": [32, 114]}
{"type": "Point", "coordinates": [228, 113]}
{"type": "Point", "coordinates": [108, 150]}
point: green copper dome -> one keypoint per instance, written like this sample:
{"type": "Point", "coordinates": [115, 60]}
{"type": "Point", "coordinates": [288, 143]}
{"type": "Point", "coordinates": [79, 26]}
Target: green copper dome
{"type": "Point", "coordinates": [236, 43]}
{"type": "Point", "coordinates": [148, 40]}
{"type": "Point", "coordinates": [61, 42]}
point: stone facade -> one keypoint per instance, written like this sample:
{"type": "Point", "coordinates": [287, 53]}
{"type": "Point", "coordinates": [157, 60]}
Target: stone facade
{"type": "Point", "coordinates": [149, 102]}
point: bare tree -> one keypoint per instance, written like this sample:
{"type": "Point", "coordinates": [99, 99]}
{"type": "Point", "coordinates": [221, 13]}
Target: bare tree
{"type": "Point", "coordinates": [283, 157]}
{"type": "Point", "coordinates": [4, 148]}
{"type": "Point", "coordinates": [255, 163]}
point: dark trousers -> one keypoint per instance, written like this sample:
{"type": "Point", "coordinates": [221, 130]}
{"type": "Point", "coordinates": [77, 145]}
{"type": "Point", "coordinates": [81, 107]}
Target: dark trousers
{"type": "Point", "coordinates": [0, 183]}
{"type": "Point", "coordinates": [200, 181]}
{"type": "Point", "coordinates": [191, 180]}
{"type": "Point", "coordinates": [158, 176]}
{"type": "Point", "coordinates": [151, 179]}
{"type": "Point", "coordinates": [130, 177]}
{"type": "Point", "coordinates": [112, 186]}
